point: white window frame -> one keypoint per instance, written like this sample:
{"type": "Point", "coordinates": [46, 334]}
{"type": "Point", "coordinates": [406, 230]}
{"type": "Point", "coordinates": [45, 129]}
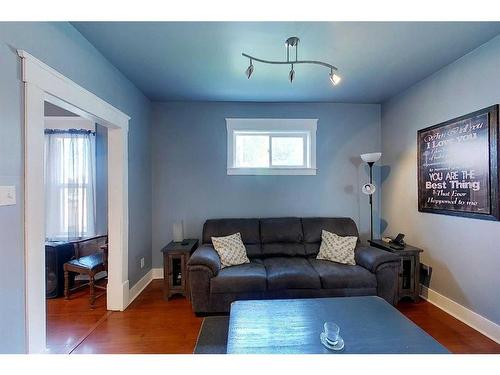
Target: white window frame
{"type": "Point", "coordinates": [305, 128]}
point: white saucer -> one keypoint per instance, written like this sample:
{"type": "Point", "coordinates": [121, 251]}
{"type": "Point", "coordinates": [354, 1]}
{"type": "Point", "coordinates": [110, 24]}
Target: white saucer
{"type": "Point", "coordinates": [324, 341]}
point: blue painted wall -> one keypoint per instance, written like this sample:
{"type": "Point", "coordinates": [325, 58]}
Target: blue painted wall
{"type": "Point", "coordinates": [464, 253]}
{"type": "Point", "coordinates": [101, 183]}
{"type": "Point", "coordinates": [62, 47]}
{"type": "Point", "coordinates": [190, 182]}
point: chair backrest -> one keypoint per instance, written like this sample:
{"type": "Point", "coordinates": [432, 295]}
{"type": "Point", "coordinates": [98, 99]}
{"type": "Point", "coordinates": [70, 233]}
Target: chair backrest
{"type": "Point", "coordinates": [89, 246]}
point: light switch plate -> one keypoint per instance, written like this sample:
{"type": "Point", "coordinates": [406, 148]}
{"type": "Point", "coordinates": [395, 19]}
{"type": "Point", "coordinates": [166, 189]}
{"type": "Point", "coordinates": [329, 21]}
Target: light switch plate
{"type": "Point", "coordinates": [7, 195]}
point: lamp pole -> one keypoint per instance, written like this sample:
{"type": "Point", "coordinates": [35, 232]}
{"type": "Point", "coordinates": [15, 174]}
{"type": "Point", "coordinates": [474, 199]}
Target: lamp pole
{"type": "Point", "coordinates": [369, 189]}
{"type": "Point", "coordinates": [370, 163]}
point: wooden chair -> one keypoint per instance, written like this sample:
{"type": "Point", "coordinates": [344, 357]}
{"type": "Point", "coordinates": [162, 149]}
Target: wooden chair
{"type": "Point", "coordinates": [96, 261]}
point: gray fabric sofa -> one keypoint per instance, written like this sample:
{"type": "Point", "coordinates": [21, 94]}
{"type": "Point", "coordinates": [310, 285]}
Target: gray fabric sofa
{"type": "Point", "coordinates": [283, 264]}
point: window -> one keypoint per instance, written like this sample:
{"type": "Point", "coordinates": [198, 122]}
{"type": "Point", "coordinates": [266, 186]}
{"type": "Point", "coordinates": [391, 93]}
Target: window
{"type": "Point", "coordinates": [271, 146]}
{"type": "Point", "coordinates": [69, 184]}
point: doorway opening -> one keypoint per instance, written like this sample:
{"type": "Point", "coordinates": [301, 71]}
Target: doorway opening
{"type": "Point", "coordinates": [76, 226]}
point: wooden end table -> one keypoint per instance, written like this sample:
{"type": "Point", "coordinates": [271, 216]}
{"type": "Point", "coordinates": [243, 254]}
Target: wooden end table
{"type": "Point", "coordinates": [175, 275]}
{"type": "Point", "coordinates": [409, 272]}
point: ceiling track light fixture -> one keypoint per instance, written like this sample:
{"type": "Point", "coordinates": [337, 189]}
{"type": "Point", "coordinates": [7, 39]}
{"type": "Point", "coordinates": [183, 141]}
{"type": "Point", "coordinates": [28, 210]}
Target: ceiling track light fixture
{"type": "Point", "coordinates": [293, 42]}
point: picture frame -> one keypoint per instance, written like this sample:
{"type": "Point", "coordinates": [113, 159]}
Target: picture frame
{"type": "Point", "coordinates": [457, 166]}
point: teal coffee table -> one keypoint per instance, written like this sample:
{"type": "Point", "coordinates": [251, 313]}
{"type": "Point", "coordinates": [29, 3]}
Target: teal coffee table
{"type": "Point", "coordinates": [368, 325]}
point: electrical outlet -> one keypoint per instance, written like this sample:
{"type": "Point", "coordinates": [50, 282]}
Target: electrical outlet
{"type": "Point", "coordinates": [142, 262]}
{"type": "Point", "coordinates": [7, 195]}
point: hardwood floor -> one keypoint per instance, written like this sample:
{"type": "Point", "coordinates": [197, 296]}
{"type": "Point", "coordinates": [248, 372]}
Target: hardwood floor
{"type": "Point", "coordinates": [149, 325]}
{"type": "Point", "coordinates": [70, 321]}
{"type": "Point", "coordinates": [456, 336]}
{"type": "Point", "coordinates": [152, 325]}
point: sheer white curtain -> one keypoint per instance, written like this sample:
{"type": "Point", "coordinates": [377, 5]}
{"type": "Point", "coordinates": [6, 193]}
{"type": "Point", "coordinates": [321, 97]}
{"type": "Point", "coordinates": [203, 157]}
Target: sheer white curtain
{"type": "Point", "coordinates": [69, 184]}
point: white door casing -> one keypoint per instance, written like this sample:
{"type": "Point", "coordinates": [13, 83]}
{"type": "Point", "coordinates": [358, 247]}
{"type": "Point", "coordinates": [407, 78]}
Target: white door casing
{"type": "Point", "coordinates": [42, 83]}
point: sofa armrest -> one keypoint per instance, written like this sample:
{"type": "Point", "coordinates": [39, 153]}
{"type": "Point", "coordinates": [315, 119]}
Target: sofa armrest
{"type": "Point", "coordinates": [206, 256]}
{"type": "Point", "coordinates": [371, 258]}
{"type": "Point", "coordinates": [385, 266]}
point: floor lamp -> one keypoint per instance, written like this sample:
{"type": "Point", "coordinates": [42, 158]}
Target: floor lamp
{"type": "Point", "coordinates": [370, 188]}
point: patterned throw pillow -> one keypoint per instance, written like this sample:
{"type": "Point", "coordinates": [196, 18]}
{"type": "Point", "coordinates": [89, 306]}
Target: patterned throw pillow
{"type": "Point", "coordinates": [337, 248]}
{"type": "Point", "coordinates": [231, 250]}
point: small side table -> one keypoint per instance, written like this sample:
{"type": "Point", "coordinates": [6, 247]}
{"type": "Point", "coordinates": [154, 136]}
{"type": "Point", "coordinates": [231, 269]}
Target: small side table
{"type": "Point", "coordinates": [175, 275]}
{"type": "Point", "coordinates": [409, 272]}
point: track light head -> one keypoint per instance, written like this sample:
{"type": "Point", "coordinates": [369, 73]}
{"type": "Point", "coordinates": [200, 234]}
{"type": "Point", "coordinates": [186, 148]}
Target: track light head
{"type": "Point", "coordinates": [293, 41]}
{"type": "Point", "coordinates": [249, 70]}
{"type": "Point", "coordinates": [291, 75]}
{"type": "Point", "coordinates": [335, 78]}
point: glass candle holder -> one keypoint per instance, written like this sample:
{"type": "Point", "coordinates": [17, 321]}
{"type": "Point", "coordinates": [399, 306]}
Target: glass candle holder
{"type": "Point", "coordinates": [332, 332]}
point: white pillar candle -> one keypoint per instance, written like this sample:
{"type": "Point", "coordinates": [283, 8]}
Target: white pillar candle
{"type": "Point", "coordinates": [178, 231]}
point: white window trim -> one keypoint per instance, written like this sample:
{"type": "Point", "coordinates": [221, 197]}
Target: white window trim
{"type": "Point", "coordinates": [263, 125]}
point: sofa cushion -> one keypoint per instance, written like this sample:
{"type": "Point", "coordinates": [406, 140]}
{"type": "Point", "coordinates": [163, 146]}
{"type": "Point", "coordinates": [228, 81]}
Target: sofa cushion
{"type": "Point", "coordinates": [312, 249]}
{"type": "Point", "coordinates": [281, 237]}
{"type": "Point", "coordinates": [342, 226]}
{"type": "Point", "coordinates": [290, 273]}
{"type": "Point", "coordinates": [312, 227]}
{"type": "Point", "coordinates": [253, 250]}
{"type": "Point", "coordinates": [282, 229]}
{"type": "Point", "coordinates": [337, 276]}
{"type": "Point", "coordinates": [248, 228]}
{"type": "Point", "coordinates": [249, 277]}
{"type": "Point", "coordinates": [283, 249]}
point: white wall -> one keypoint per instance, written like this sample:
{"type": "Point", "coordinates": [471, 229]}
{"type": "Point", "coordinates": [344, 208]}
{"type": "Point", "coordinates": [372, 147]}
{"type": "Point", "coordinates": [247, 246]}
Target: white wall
{"type": "Point", "coordinates": [464, 253]}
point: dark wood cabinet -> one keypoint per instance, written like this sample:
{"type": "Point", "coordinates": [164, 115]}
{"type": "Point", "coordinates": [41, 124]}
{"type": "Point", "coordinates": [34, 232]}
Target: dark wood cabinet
{"type": "Point", "coordinates": [409, 271]}
{"type": "Point", "coordinates": [175, 275]}
{"type": "Point", "coordinates": [56, 254]}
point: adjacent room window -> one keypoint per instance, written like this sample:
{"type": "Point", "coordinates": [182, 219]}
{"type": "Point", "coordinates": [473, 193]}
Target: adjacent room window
{"type": "Point", "coordinates": [271, 146]}
{"type": "Point", "coordinates": [69, 184]}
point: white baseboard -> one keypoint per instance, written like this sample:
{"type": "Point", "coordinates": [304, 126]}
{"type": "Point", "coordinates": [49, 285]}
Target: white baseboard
{"type": "Point", "coordinates": [140, 286]}
{"type": "Point", "coordinates": [157, 273]}
{"type": "Point", "coordinates": [462, 313]}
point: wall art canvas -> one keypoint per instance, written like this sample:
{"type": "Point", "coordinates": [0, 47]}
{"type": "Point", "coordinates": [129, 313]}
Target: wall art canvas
{"type": "Point", "coordinates": [457, 166]}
